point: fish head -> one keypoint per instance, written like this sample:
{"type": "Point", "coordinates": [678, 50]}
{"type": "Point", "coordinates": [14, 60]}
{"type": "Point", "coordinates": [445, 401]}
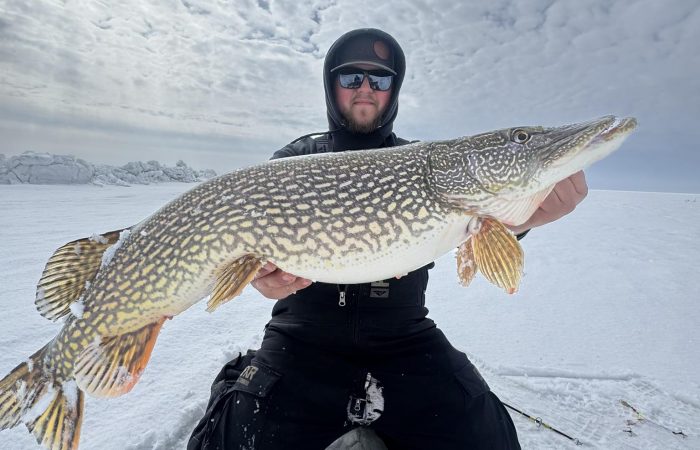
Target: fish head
{"type": "Point", "coordinates": [506, 173]}
{"type": "Point", "coordinates": [562, 151]}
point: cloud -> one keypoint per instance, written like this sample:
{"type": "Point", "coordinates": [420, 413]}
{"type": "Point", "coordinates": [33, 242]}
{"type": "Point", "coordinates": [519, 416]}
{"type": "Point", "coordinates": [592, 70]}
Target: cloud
{"type": "Point", "coordinates": [249, 72]}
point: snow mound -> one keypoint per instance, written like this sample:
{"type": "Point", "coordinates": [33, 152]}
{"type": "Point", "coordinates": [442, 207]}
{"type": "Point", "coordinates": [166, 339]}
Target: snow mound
{"type": "Point", "coordinates": [46, 168]}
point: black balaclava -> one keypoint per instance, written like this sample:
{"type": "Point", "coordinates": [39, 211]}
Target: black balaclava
{"type": "Point", "coordinates": [356, 47]}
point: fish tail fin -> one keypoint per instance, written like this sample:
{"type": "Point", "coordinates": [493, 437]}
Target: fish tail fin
{"type": "Point", "coordinates": [52, 412]}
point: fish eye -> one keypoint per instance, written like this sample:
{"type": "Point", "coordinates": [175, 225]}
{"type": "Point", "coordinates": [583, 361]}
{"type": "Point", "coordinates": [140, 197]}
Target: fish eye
{"type": "Point", "coordinates": [520, 136]}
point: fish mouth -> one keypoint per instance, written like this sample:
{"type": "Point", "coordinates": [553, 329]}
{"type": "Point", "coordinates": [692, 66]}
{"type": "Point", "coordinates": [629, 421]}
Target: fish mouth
{"type": "Point", "coordinates": [614, 127]}
{"type": "Point", "coordinates": [591, 141]}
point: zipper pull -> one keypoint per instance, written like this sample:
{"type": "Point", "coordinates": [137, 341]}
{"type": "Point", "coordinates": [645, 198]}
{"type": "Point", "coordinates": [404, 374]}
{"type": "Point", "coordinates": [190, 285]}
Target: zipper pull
{"type": "Point", "coordinates": [341, 300]}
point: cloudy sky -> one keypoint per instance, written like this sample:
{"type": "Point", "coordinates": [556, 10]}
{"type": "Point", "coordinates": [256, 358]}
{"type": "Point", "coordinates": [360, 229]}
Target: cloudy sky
{"type": "Point", "coordinates": [223, 84]}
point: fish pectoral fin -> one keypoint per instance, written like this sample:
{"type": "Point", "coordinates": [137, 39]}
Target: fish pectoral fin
{"type": "Point", "coordinates": [67, 271]}
{"type": "Point", "coordinates": [112, 366]}
{"type": "Point", "coordinates": [232, 278]}
{"type": "Point", "coordinates": [466, 263]}
{"type": "Point", "coordinates": [498, 255]}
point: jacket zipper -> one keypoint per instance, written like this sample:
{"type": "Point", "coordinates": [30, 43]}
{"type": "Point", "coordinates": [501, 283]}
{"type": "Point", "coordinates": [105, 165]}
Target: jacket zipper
{"type": "Point", "coordinates": [354, 315]}
{"type": "Point", "coordinates": [341, 294]}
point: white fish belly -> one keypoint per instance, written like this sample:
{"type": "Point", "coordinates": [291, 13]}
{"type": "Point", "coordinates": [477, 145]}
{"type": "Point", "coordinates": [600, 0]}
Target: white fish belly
{"type": "Point", "coordinates": [397, 259]}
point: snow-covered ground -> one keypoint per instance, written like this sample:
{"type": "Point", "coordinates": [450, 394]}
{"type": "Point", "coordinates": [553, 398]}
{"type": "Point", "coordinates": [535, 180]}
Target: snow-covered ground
{"type": "Point", "coordinates": [608, 310]}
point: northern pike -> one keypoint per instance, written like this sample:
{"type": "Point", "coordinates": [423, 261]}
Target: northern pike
{"type": "Point", "coordinates": [348, 217]}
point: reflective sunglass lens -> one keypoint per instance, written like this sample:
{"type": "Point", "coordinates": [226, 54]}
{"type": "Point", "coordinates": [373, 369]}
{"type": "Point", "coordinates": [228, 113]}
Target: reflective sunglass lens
{"type": "Point", "coordinates": [380, 83]}
{"type": "Point", "coordinates": [354, 81]}
{"type": "Point", "coordinates": [351, 80]}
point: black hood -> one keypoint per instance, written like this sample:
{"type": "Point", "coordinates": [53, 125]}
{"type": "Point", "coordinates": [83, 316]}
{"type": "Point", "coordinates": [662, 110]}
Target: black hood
{"type": "Point", "coordinates": [336, 123]}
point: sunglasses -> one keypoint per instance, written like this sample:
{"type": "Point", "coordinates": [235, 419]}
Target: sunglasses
{"type": "Point", "coordinates": [378, 81]}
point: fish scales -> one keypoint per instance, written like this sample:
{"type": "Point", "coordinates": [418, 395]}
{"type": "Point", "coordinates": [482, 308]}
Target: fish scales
{"type": "Point", "coordinates": [346, 208]}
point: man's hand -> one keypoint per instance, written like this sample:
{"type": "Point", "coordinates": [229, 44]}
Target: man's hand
{"type": "Point", "coordinates": [563, 199]}
{"type": "Point", "coordinates": [275, 284]}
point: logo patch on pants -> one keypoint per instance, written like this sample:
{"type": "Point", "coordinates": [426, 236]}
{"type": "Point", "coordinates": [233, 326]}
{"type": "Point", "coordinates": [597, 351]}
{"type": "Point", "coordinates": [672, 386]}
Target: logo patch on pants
{"type": "Point", "coordinates": [367, 409]}
{"type": "Point", "coordinates": [247, 375]}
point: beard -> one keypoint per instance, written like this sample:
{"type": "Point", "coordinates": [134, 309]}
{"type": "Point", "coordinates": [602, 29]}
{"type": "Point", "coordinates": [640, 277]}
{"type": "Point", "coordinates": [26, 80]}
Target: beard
{"type": "Point", "coordinates": [364, 127]}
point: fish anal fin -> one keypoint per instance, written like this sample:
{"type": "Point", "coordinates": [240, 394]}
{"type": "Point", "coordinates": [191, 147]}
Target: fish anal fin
{"type": "Point", "coordinates": [466, 263]}
{"type": "Point", "coordinates": [67, 271]}
{"type": "Point", "coordinates": [232, 278]}
{"type": "Point", "coordinates": [112, 366]}
{"type": "Point", "coordinates": [498, 255]}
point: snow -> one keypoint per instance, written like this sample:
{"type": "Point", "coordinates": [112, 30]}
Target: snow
{"type": "Point", "coordinates": [40, 405]}
{"type": "Point", "coordinates": [607, 311]}
{"type": "Point", "coordinates": [111, 250]}
{"type": "Point", "coordinates": [46, 168]}
{"type": "Point", "coordinates": [70, 391]}
{"type": "Point", "coordinates": [77, 308]}
{"type": "Point", "coordinates": [98, 238]}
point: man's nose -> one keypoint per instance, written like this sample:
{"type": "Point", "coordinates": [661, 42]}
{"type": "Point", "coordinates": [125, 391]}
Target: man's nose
{"type": "Point", "coordinates": [365, 85]}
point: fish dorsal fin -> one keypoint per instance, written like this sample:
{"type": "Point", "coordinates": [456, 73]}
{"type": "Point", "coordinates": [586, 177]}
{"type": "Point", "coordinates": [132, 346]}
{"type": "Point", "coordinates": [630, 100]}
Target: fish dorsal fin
{"type": "Point", "coordinates": [232, 278]}
{"type": "Point", "coordinates": [67, 272]}
{"type": "Point", "coordinates": [494, 251]}
{"type": "Point", "coordinates": [518, 211]}
{"type": "Point", "coordinates": [110, 367]}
